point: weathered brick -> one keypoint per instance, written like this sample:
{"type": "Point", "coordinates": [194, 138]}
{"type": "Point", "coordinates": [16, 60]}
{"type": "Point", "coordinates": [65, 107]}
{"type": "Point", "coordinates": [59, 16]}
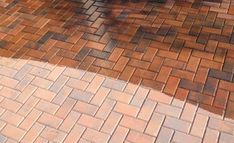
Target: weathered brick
{"type": "Point", "coordinates": [187, 84]}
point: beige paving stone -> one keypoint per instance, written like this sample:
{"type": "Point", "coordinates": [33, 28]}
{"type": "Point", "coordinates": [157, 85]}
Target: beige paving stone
{"type": "Point", "coordinates": [138, 137]}
{"type": "Point", "coordinates": [119, 135]}
{"type": "Point", "coordinates": [177, 124]}
{"type": "Point", "coordinates": [211, 136]}
{"type": "Point", "coordinates": [95, 136]}
{"type": "Point", "coordinates": [199, 125]}
{"type": "Point", "coordinates": [165, 135]}
{"type": "Point", "coordinates": [53, 135]}
{"type": "Point", "coordinates": [155, 124]}
{"type": "Point", "coordinates": [184, 138]}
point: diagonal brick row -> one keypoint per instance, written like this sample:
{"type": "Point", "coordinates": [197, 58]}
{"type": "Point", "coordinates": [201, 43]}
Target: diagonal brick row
{"type": "Point", "coordinates": [41, 102]}
{"type": "Point", "coordinates": [183, 49]}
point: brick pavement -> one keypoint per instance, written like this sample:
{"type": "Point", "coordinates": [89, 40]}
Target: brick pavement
{"type": "Point", "coordinates": [41, 102]}
{"type": "Point", "coordinates": [183, 51]}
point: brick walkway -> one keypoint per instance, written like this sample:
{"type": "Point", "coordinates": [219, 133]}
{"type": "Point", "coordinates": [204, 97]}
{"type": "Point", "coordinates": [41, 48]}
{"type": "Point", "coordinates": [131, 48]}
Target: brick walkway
{"type": "Point", "coordinates": [96, 71]}
{"type": "Point", "coordinates": [40, 102]}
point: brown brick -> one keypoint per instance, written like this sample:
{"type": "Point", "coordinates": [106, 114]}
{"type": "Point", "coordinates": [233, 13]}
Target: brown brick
{"type": "Point", "coordinates": [164, 74]}
{"type": "Point", "coordinates": [187, 84]}
{"type": "Point", "coordinates": [172, 85]}
{"type": "Point", "coordinates": [210, 86]}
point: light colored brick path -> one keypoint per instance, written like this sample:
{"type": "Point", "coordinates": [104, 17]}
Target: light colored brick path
{"type": "Point", "coordinates": [40, 102]}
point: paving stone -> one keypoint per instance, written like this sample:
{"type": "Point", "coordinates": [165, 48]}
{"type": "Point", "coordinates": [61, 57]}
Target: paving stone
{"type": "Point", "coordinates": [220, 75]}
{"type": "Point", "coordinates": [53, 135]}
{"type": "Point", "coordinates": [95, 136]}
{"type": "Point", "coordinates": [190, 85]}
{"type": "Point", "coordinates": [81, 95]}
{"type": "Point", "coordinates": [61, 66]}
{"type": "Point", "coordinates": [176, 124]}
{"type": "Point", "coordinates": [165, 135]}
{"type": "Point", "coordinates": [211, 136]}
{"type": "Point", "coordinates": [137, 137]}
{"type": "Point", "coordinates": [183, 138]}
{"type": "Point", "coordinates": [226, 138]}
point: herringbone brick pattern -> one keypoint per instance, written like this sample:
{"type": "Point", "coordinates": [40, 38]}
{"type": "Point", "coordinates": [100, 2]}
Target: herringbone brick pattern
{"type": "Point", "coordinates": [182, 49]}
{"type": "Point", "coordinates": [40, 102]}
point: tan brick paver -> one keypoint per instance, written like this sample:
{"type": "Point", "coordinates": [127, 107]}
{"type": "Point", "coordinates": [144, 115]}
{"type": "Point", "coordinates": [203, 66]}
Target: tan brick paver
{"type": "Point", "coordinates": [44, 116]}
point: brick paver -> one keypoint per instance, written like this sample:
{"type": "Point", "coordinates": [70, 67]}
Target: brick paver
{"type": "Point", "coordinates": [114, 71]}
{"type": "Point", "coordinates": [102, 115]}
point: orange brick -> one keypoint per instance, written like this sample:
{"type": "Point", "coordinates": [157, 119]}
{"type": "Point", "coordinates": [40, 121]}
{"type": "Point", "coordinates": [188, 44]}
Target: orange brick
{"type": "Point", "coordinates": [133, 123]}
{"type": "Point", "coordinates": [30, 119]}
{"type": "Point", "coordinates": [95, 84]}
{"type": "Point", "coordinates": [70, 121]}
{"type": "Point", "coordinates": [147, 110]}
{"type": "Point", "coordinates": [167, 54]}
{"type": "Point", "coordinates": [105, 109]}
{"type": "Point", "coordinates": [41, 140]}
{"type": "Point", "coordinates": [57, 71]}
{"type": "Point", "coordinates": [53, 135]}
{"type": "Point", "coordinates": [154, 124]}
{"type": "Point", "coordinates": [50, 120]}
{"type": "Point", "coordinates": [65, 108]}
{"type": "Point", "coordinates": [119, 135]}
{"type": "Point", "coordinates": [90, 122]}
{"type": "Point", "coordinates": [100, 96]}
{"type": "Point", "coordinates": [121, 63]}
{"type": "Point", "coordinates": [28, 91]}
{"type": "Point", "coordinates": [95, 45]}
{"type": "Point", "coordinates": [201, 75]}
{"type": "Point", "coordinates": [9, 93]}
{"type": "Point", "coordinates": [28, 106]}
{"type": "Point", "coordinates": [193, 64]}
{"type": "Point", "coordinates": [120, 96]}
{"type": "Point", "coordinates": [226, 85]}
{"type": "Point", "coordinates": [126, 109]}
{"type": "Point", "coordinates": [11, 118]}
{"type": "Point", "coordinates": [164, 74]}
{"type": "Point", "coordinates": [116, 54]}
{"type": "Point", "coordinates": [47, 107]}
{"type": "Point", "coordinates": [111, 123]}
{"type": "Point", "coordinates": [41, 82]}
{"type": "Point", "coordinates": [171, 85]}
{"type": "Point", "coordinates": [159, 97]}
{"type": "Point", "coordinates": [95, 136]}
{"type": "Point", "coordinates": [62, 95]}
{"type": "Point", "coordinates": [199, 125]}
{"type": "Point", "coordinates": [75, 134]}
{"type": "Point", "coordinates": [13, 132]}
{"type": "Point", "coordinates": [33, 133]}
{"type": "Point", "coordinates": [85, 108]}
{"type": "Point", "coordinates": [9, 82]}
{"type": "Point", "coordinates": [138, 137]}
{"type": "Point", "coordinates": [211, 64]}
{"type": "Point", "coordinates": [44, 94]}
{"type": "Point", "coordinates": [10, 105]}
